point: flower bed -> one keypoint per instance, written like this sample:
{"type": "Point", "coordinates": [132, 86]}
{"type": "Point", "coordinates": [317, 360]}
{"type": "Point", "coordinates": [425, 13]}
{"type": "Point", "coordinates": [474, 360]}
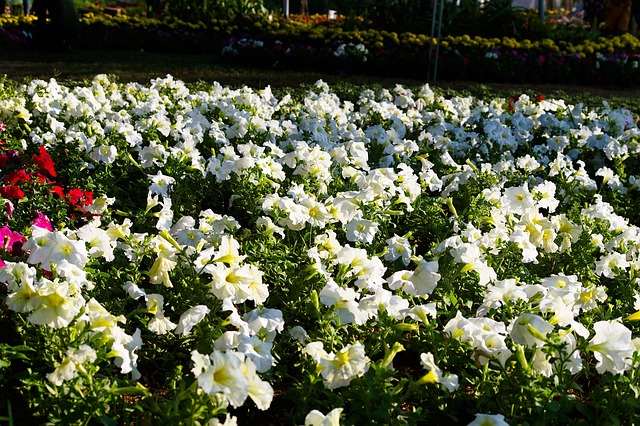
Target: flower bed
{"type": "Point", "coordinates": [352, 47]}
{"type": "Point", "coordinates": [188, 256]}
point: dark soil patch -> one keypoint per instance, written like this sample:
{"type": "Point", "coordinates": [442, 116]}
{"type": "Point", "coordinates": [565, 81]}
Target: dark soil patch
{"type": "Point", "coordinates": [143, 66]}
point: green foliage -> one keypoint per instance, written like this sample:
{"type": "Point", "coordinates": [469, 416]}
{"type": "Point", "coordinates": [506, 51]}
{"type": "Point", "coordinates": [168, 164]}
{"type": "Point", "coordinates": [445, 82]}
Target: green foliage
{"type": "Point", "coordinates": [206, 10]}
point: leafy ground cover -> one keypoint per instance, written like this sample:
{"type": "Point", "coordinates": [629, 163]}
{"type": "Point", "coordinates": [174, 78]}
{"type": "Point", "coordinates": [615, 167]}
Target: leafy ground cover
{"type": "Point", "coordinates": [200, 254]}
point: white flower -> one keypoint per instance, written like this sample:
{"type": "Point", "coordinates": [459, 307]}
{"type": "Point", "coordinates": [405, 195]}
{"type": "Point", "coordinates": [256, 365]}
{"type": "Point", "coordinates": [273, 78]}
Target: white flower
{"type": "Point", "coordinates": [228, 251]}
{"type": "Point", "coordinates": [55, 304]}
{"type": "Point", "coordinates": [344, 302]}
{"type": "Point", "coordinates": [299, 334]}
{"type": "Point", "coordinates": [517, 199]}
{"type": "Point", "coordinates": [229, 420]}
{"type": "Point", "coordinates": [424, 279]}
{"type": "Point", "coordinates": [435, 375]}
{"type": "Point", "coordinates": [609, 264]}
{"type": "Point", "coordinates": [529, 330]}
{"type": "Point", "coordinates": [316, 418]}
{"type": "Point", "coordinates": [160, 324]}
{"type": "Point", "coordinates": [489, 420]}
{"type": "Point", "coordinates": [71, 364]}
{"type": "Point", "coordinates": [499, 293]}
{"type": "Point", "coordinates": [257, 351]}
{"type": "Point", "coordinates": [100, 204]}
{"type": "Point", "coordinates": [339, 369]}
{"type": "Point", "coordinates": [47, 248]}
{"type": "Point", "coordinates": [235, 282]}
{"type": "Point", "coordinates": [398, 247]}
{"type": "Point", "coordinates": [361, 230]}
{"type": "Point", "coordinates": [99, 241]}
{"type": "Point", "coordinates": [268, 227]}
{"type": "Point", "coordinates": [190, 318]}
{"type": "Point", "coordinates": [104, 154]}
{"type": "Point", "coordinates": [611, 347]}
{"type": "Point", "coordinates": [260, 391]}
{"type": "Point", "coordinates": [221, 372]}
{"type": "Point", "coordinates": [263, 321]}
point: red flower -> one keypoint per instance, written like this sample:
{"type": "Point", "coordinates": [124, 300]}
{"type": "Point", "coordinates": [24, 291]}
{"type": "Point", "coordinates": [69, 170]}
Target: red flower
{"type": "Point", "coordinates": [17, 177]}
{"type": "Point", "coordinates": [11, 191]}
{"type": "Point", "coordinates": [75, 195]}
{"type": "Point", "coordinates": [58, 191]}
{"type": "Point", "coordinates": [512, 102]}
{"type": "Point", "coordinates": [44, 162]}
{"type": "Point", "coordinates": [78, 197]}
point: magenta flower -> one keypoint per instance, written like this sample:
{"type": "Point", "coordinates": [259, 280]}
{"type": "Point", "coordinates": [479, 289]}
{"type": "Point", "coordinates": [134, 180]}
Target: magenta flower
{"type": "Point", "coordinates": [42, 221]}
{"type": "Point", "coordinates": [12, 241]}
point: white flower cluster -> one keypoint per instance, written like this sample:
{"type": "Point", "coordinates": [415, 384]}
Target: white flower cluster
{"type": "Point", "coordinates": [343, 170]}
{"type": "Point", "coordinates": [352, 50]}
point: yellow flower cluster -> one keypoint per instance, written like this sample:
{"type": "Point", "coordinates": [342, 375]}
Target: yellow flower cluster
{"type": "Point", "coordinates": [13, 21]}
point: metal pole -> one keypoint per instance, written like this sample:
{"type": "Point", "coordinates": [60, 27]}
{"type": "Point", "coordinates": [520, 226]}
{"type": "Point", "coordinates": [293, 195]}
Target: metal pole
{"type": "Point", "coordinates": [433, 31]}
{"type": "Point", "coordinates": [541, 10]}
{"type": "Point", "coordinates": [437, 16]}
{"type": "Point", "coordinates": [435, 72]}
{"type": "Point", "coordinates": [285, 8]}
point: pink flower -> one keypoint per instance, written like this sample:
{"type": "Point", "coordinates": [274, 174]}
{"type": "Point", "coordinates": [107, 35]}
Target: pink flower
{"type": "Point", "coordinates": [12, 241]}
{"type": "Point", "coordinates": [42, 221]}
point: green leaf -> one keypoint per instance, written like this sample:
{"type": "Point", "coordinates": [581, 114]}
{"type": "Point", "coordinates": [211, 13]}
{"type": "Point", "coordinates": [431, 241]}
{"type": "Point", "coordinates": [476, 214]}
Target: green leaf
{"type": "Point", "coordinates": [107, 421]}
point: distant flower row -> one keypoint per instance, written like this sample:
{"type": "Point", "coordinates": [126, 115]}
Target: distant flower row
{"type": "Point", "coordinates": [216, 255]}
{"type": "Point", "coordinates": [316, 43]}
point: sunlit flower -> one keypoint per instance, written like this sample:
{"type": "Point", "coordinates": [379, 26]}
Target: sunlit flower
{"type": "Point", "coordinates": [361, 230]}
{"type": "Point", "coordinates": [221, 372]}
{"type": "Point", "coordinates": [190, 318]}
{"type": "Point", "coordinates": [530, 330]}
{"type": "Point", "coordinates": [104, 154]}
{"type": "Point", "coordinates": [68, 368]}
{"type": "Point", "coordinates": [316, 418]}
{"type": "Point", "coordinates": [611, 346]}
{"type": "Point", "coordinates": [398, 248]}
{"type": "Point", "coordinates": [49, 248]}
{"type": "Point", "coordinates": [339, 369]}
{"type": "Point", "coordinates": [344, 302]}
{"type": "Point", "coordinates": [435, 374]}
{"type": "Point", "coordinates": [517, 199]}
{"type": "Point", "coordinates": [55, 304]}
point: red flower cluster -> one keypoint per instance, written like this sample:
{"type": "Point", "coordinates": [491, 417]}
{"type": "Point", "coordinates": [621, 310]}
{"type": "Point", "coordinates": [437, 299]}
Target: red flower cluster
{"type": "Point", "coordinates": [20, 175]}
